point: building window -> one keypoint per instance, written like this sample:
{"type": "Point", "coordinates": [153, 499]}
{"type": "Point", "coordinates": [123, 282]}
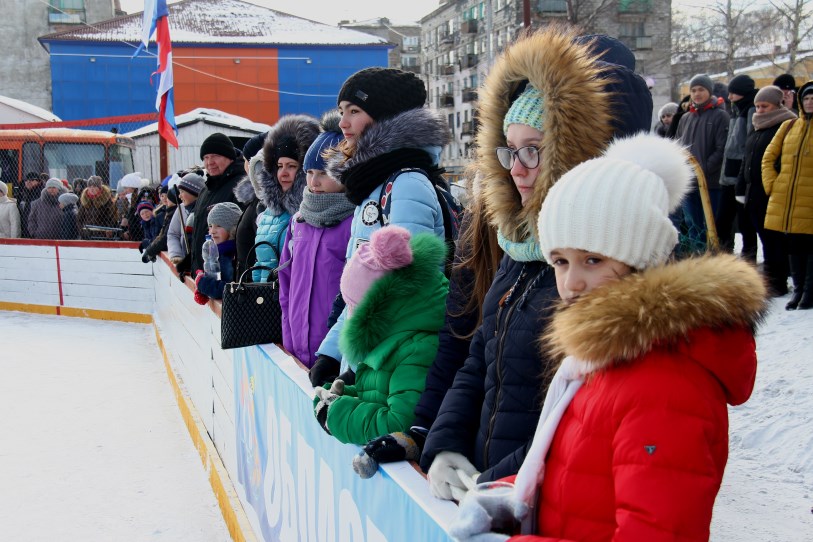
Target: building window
{"type": "Point", "coordinates": [66, 12]}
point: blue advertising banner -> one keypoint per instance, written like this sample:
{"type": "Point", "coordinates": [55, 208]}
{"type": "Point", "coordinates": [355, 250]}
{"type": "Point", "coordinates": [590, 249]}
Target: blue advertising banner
{"type": "Point", "coordinates": [297, 483]}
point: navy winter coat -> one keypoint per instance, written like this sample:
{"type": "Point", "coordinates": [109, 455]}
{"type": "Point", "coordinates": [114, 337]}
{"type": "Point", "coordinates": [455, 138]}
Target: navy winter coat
{"type": "Point", "coordinates": [505, 359]}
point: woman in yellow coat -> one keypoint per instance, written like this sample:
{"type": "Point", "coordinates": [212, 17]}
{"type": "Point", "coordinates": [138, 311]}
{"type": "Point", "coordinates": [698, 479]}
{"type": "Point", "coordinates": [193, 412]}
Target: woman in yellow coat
{"type": "Point", "coordinates": [787, 175]}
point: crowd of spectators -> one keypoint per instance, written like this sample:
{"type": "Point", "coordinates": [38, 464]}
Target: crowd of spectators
{"type": "Point", "coordinates": [553, 346]}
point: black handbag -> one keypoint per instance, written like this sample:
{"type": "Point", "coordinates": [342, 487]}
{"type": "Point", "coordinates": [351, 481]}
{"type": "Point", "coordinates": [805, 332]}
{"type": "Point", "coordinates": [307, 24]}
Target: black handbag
{"type": "Point", "coordinates": [251, 313]}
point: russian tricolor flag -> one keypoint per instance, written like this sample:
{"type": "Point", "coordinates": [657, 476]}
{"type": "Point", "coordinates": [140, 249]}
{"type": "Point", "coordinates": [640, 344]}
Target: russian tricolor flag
{"type": "Point", "coordinates": [156, 19]}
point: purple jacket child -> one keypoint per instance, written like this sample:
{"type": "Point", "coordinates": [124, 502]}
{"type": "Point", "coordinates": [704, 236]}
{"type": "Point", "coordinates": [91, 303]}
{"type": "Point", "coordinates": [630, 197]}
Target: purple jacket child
{"type": "Point", "coordinates": [310, 283]}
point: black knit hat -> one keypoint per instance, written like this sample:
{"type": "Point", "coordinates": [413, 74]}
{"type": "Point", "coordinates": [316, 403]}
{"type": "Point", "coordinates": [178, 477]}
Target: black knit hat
{"type": "Point", "coordinates": [218, 143]}
{"type": "Point", "coordinates": [286, 148]}
{"type": "Point", "coordinates": [785, 82]}
{"type": "Point", "coordinates": [383, 92]}
{"type": "Point", "coordinates": [742, 85]}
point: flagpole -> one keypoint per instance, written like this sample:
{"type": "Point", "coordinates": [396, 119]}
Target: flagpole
{"type": "Point", "coordinates": [163, 157]}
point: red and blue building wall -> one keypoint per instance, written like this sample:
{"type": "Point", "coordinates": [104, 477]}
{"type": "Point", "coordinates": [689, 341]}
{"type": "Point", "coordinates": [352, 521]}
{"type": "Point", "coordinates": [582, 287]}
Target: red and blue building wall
{"type": "Point", "coordinates": [91, 80]}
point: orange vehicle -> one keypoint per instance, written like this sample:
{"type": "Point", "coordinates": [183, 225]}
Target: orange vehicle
{"type": "Point", "coordinates": [64, 153]}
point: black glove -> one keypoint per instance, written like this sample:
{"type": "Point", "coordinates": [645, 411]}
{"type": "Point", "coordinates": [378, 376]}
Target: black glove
{"type": "Point", "coordinates": [184, 267]}
{"type": "Point", "coordinates": [141, 246]}
{"type": "Point", "coordinates": [146, 258]}
{"type": "Point", "coordinates": [348, 377]}
{"type": "Point", "coordinates": [326, 369]}
{"type": "Point", "coordinates": [406, 446]}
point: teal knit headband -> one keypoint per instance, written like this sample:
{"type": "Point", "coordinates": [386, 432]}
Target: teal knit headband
{"type": "Point", "coordinates": [528, 109]}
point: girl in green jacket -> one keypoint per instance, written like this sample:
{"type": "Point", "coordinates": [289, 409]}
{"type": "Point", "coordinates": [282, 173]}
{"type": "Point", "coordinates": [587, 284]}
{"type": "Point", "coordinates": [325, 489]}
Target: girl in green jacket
{"type": "Point", "coordinates": [396, 297]}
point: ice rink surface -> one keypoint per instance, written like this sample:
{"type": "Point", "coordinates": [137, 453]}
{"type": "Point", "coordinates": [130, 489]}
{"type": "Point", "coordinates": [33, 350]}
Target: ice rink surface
{"type": "Point", "coordinates": [92, 444]}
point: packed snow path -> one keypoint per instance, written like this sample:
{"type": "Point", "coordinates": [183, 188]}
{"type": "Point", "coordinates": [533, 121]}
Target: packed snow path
{"type": "Point", "coordinates": [92, 444]}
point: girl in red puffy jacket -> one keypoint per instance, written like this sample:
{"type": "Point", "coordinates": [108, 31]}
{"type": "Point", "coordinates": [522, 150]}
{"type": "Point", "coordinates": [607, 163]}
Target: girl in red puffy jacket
{"type": "Point", "coordinates": [633, 437]}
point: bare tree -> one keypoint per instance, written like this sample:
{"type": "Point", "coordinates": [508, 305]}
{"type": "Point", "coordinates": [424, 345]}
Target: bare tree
{"type": "Point", "coordinates": [585, 12]}
{"type": "Point", "coordinates": [797, 16]}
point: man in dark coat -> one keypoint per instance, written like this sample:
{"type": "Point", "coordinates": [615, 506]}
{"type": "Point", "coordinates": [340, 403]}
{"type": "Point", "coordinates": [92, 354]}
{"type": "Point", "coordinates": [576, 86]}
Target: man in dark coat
{"type": "Point", "coordinates": [27, 193]}
{"type": "Point", "coordinates": [224, 169]}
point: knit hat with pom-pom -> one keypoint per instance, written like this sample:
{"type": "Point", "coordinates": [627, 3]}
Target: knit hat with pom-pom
{"type": "Point", "coordinates": [618, 205]}
{"type": "Point", "coordinates": [387, 250]}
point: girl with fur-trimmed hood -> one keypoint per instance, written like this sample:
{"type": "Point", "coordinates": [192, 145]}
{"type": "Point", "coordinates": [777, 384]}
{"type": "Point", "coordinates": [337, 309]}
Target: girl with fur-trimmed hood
{"type": "Point", "coordinates": [395, 292]}
{"type": "Point", "coordinates": [314, 251]}
{"type": "Point", "coordinates": [632, 441]}
{"type": "Point", "coordinates": [279, 184]}
{"type": "Point", "coordinates": [551, 101]}
{"type": "Point", "coordinates": [386, 130]}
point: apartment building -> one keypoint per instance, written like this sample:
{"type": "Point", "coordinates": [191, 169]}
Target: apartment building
{"type": "Point", "coordinates": [404, 36]}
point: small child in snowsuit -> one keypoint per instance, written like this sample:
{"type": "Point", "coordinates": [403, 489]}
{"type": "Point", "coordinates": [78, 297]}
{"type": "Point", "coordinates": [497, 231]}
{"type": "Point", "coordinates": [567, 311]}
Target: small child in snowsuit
{"type": "Point", "coordinates": [222, 222]}
{"type": "Point", "coordinates": [150, 224]}
{"type": "Point", "coordinates": [70, 214]}
{"type": "Point", "coordinates": [396, 300]}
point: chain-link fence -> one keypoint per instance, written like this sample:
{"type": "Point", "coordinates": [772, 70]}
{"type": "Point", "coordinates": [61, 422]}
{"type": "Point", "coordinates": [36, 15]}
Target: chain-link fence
{"type": "Point", "coordinates": [65, 178]}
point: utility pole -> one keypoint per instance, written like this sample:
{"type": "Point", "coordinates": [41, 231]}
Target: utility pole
{"type": "Point", "coordinates": [526, 13]}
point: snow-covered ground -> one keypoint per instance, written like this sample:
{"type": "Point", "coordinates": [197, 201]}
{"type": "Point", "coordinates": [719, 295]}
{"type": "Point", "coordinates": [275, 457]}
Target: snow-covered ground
{"type": "Point", "coordinates": [92, 444]}
{"type": "Point", "coordinates": [767, 493]}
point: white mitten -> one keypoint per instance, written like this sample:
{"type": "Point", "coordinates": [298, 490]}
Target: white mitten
{"type": "Point", "coordinates": [480, 514]}
{"type": "Point", "coordinates": [451, 476]}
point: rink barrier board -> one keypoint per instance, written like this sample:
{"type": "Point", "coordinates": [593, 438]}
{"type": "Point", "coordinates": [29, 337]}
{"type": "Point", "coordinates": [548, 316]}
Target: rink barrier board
{"type": "Point", "coordinates": [83, 275]}
{"type": "Point", "coordinates": [205, 382]}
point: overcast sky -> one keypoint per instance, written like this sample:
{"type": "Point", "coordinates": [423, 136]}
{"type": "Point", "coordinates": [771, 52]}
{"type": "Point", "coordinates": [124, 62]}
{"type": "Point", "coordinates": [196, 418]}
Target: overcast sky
{"type": "Point", "coordinates": [333, 11]}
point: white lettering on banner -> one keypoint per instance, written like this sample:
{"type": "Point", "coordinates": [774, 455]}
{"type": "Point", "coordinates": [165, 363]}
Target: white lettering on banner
{"type": "Point", "coordinates": [349, 519]}
{"type": "Point", "coordinates": [305, 483]}
{"type": "Point", "coordinates": [327, 508]}
{"type": "Point", "coordinates": [271, 484]}
{"type": "Point", "coordinates": [300, 511]}
{"type": "Point", "coordinates": [289, 510]}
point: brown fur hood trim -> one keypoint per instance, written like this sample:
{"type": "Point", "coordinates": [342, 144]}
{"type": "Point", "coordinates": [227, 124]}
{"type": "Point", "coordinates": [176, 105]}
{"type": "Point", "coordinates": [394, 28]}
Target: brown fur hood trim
{"type": "Point", "coordinates": [577, 121]}
{"type": "Point", "coordinates": [623, 320]}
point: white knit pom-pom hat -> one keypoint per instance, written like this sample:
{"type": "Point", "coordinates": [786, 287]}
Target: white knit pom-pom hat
{"type": "Point", "coordinates": [618, 205]}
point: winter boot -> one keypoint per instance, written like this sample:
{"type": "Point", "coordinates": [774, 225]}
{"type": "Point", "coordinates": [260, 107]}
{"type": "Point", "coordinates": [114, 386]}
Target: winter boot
{"type": "Point", "coordinates": [798, 263]}
{"type": "Point", "coordinates": [807, 296]}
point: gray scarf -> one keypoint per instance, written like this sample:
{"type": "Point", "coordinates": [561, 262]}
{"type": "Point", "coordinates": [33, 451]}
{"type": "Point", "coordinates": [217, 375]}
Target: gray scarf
{"type": "Point", "coordinates": [325, 210]}
{"type": "Point", "coordinates": [772, 118]}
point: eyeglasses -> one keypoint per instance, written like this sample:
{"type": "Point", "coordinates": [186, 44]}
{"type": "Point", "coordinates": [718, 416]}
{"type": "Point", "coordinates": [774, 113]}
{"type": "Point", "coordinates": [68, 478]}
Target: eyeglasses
{"type": "Point", "coordinates": [528, 156]}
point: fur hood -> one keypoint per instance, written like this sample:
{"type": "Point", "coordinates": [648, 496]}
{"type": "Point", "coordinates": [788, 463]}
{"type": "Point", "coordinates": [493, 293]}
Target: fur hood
{"type": "Point", "coordinates": [577, 121]}
{"type": "Point", "coordinates": [104, 197]}
{"type": "Point", "coordinates": [412, 129]}
{"type": "Point", "coordinates": [410, 298]}
{"type": "Point", "coordinates": [624, 320]}
{"type": "Point", "coordinates": [303, 129]}
{"type": "Point", "coordinates": [244, 191]}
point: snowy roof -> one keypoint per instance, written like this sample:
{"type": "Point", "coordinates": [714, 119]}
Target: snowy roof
{"type": "Point", "coordinates": [222, 22]}
{"type": "Point", "coordinates": [208, 116]}
{"type": "Point", "coordinates": [31, 109]}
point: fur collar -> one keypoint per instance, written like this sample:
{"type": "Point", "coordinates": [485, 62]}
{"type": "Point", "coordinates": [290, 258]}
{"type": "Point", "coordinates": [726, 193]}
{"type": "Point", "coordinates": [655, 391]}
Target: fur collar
{"type": "Point", "coordinates": [409, 298]}
{"type": "Point", "coordinates": [104, 197]}
{"type": "Point", "coordinates": [412, 129]}
{"type": "Point", "coordinates": [303, 129]}
{"type": "Point", "coordinates": [577, 122]}
{"type": "Point", "coordinates": [625, 319]}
